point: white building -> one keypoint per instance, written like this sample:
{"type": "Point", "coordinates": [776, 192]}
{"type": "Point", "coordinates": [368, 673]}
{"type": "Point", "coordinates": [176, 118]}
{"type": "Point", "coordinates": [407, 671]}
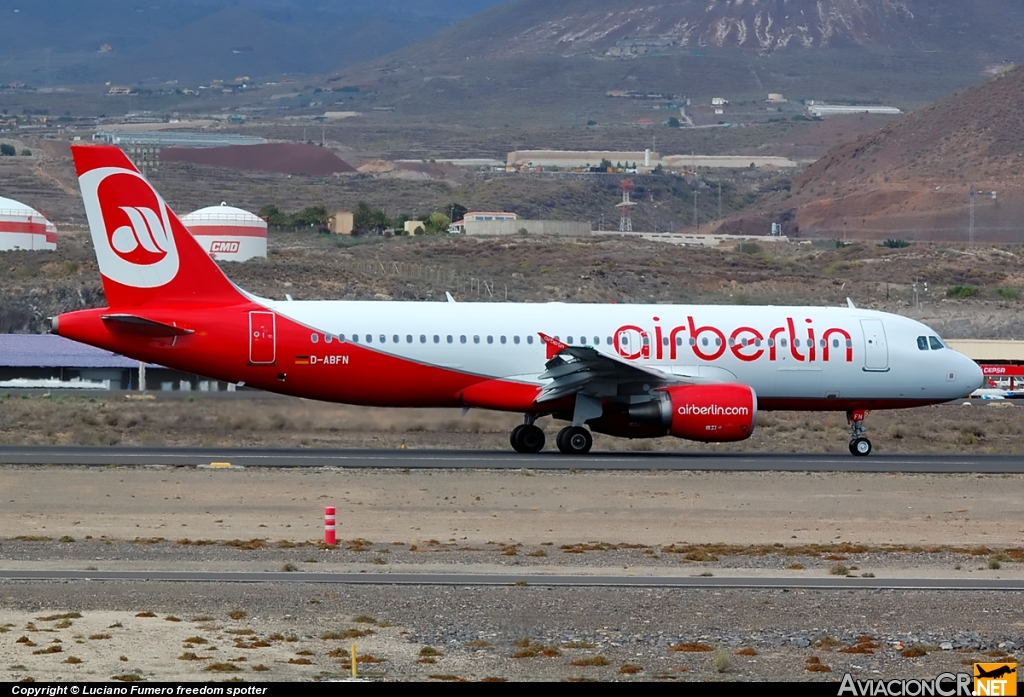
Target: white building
{"type": "Point", "coordinates": [23, 227]}
{"type": "Point", "coordinates": [228, 233]}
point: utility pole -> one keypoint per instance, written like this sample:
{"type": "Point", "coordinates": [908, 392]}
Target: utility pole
{"type": "Point", "coordinates": [719, 200]}
{"type": "Point", "coordinates": [696, 222]}
{"type": "Point", "coordinates": [970, 229]}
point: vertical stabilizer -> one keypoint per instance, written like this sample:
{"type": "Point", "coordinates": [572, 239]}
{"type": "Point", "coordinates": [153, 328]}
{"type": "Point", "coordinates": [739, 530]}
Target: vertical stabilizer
{"type": "Point", "coordinates": [145, 254]}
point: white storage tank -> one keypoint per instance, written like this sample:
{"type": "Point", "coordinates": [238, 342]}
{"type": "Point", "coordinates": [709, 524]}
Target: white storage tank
{"type": "Point", "coordinates": [23, 227]}
{"type": "Point", "coordinates": [228, 233]}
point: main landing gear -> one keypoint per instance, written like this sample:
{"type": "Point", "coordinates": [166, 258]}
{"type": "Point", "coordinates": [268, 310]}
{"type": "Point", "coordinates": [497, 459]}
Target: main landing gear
{"type": "Point", "coordinates": [526, 437]}
{"type": "Point", "coordinates": [574, 440]}
{"type": "Point", "coordinates": [529, 438]}
{"type": "Point", "coordinates": [859, 445]}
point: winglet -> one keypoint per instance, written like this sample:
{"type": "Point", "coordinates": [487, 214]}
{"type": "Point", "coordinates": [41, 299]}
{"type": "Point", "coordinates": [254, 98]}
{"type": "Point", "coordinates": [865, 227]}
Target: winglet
{"type": "Point", "coordinates": [849, 304]}
{"type": "Point", "coordinates": [553, 345]}
{"type": "Point", "coordinates": [449, 296]}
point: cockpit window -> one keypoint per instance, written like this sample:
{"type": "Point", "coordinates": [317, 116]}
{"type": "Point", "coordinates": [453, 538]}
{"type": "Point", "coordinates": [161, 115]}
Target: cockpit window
{"type": "Point", "coordinates": [922, 343]}
{"type": "Point", "coordinates": [936, 344]}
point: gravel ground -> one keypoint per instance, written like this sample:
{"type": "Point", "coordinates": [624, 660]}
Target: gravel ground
{"type": "Point", "coordinates": [476, 633]}
{"type": "Point", "coordinates": [681, 524]}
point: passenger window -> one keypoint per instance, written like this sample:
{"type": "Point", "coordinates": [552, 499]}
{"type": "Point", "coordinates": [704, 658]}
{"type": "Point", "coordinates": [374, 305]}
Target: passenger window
{"type": "Point", "coordinates": [355, 338]}
{"type": "Point", "coordinates": [568, 340]}
{"type": "Point", "coordinates": [476, 339]}
{"type": "Point", "coordinates": [515, 339]}
{"type": "Point", "coordinates": [936, 344]}
{"type": "Point", "coordinates": [437, 339]}
{"type": "Point", "coordinates": [597, 341]}
{"type": "Point", "coordinates": [383, 339]}
{"type": "Point", "coordinates": [647, 341]}
{"type": "Point", "coordinates": [679, 341]}
{"type": "Point", "coordinates": [408, 338]}
{"type": "Point", "coordinates": [341, 337]}
{"type": "Point", "coordinates": [704, 341]}
{"type": "Point", "coordinates": [369, 338]}
{"type": "Point", "coordinates": [849, 343]}
{"type": "Point", "coordinates": [664, 341]}
{"type": "Point", "coordinates": [327, 338]}
{"type": "Point", "coordinates": [822, 342]}
{"type": "Point", "coordinates": [922, 343]}
{"type": "Point", "coordinates": [693, 342]}
{"type": "Point", "coordinates": [718, 342]}
{"type": "Point", "coordinates": [784, 342]}
{"type": "Point", "coordinates": [757, 342]}
{"type": "Point", "coordinates": [796, 342]}
{"type": "Point", "coordinates": [395, 338]}
{"type": "Point", "coordinates": [732, 342]}
{"type": "Point", "coordinates": [771, 342]}
{"type": "Point", "coordinates": [503, 339]}
{"type": "Point", "coordinates": [423, 338]}
{"type": "Point", "coordinates": [314, 338]}
{"type": "Point", "coordinates": [624, 340]}
{"type": "Point", "coordinates": [450, 338]}
{"type": "Point", "coordinates": [835, 343]}
{"type": "Point", "coordinates": [490, 339]}
{"type": "Point", "coordinates": [462, 339]}
{"type": "Point", "coordinates": [529, 338]}
{"type": "Point", "coordinates": [609, 341]}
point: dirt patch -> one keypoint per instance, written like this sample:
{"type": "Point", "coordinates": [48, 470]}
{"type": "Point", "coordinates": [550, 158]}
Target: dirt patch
{"type": "Point", "coordinates": [284, 158]}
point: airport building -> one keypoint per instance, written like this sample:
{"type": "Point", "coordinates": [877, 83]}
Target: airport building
{"type": "Point", "coordinates": [46, 361]}
{"type": "Point", "coordinates": [227, 233]}
{"type": "Point", "coordinates": [23, 227]}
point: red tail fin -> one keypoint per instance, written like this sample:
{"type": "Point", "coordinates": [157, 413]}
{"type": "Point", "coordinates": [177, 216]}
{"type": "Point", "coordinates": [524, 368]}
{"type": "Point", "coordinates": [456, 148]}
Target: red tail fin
{"type": "Point", "coordinates": [145, 254]}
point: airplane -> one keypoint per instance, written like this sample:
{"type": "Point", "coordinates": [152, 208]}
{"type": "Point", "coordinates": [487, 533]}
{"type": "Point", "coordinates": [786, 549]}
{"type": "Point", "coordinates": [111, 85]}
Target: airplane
{"type": "Point", "coordinates": [696, 372]}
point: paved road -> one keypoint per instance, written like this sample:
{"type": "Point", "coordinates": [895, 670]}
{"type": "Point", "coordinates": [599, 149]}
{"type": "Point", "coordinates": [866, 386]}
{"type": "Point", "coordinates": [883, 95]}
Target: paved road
{"type": "Point", "coordinates": [464, 459]}
{"type": "Point", "coordinates": [442, 579]}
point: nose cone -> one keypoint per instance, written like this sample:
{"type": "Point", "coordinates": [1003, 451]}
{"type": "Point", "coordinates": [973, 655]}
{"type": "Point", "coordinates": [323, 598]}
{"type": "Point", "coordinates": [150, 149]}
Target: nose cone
{"type": "Point", "coordinates": [969, 375]}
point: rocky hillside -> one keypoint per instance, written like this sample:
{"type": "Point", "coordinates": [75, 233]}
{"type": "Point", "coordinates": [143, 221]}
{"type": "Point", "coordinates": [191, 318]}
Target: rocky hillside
{"type": "Point", "coordinates": [912, 178]}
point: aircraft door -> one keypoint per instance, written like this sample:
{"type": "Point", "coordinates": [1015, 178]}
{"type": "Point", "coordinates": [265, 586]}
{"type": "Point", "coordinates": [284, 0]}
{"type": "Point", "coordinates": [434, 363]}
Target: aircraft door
{"type": "Point", "coordinates": [876, 352]}
{"type": "Point", "coordinates": [262, 338]}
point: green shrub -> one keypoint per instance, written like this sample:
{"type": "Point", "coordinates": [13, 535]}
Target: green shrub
{"type": "Point", "coordinates": [961, 292]}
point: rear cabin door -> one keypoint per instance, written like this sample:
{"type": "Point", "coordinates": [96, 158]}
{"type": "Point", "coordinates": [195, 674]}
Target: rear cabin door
{"type": "Point", "coordinates": [876, 352]}
{"type": "Point", "coordinates": [262, 338]}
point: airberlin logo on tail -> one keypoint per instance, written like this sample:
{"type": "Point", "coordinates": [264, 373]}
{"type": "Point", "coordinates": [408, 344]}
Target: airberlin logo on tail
{"type": "Point", "coordinates": [131, 228]}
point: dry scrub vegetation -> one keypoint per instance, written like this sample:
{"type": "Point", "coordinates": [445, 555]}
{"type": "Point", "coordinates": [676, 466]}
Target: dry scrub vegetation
{"type": "Point", "coordinates": [267, 421]}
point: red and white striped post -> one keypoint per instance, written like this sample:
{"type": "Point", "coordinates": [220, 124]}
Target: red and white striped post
{"type": "Point", "coordinates": [330, 526]}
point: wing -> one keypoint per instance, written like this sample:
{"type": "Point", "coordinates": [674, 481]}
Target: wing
{"type": "Point", "coordinates": [573, 369]}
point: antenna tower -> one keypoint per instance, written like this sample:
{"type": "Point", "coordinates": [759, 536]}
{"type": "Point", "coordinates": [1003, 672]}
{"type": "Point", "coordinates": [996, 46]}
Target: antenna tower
{"type": "Point", "coordinates": [625, 206]}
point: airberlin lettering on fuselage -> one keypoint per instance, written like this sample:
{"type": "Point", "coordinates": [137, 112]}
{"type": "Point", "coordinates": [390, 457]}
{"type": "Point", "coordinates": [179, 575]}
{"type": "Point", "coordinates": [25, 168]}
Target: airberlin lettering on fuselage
{"type": "Point", "coordinates": [798, 339]}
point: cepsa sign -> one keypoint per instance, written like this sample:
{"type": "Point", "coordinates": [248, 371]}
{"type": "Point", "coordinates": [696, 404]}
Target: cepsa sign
{"type": "Point", "coordinates": [801, 340]}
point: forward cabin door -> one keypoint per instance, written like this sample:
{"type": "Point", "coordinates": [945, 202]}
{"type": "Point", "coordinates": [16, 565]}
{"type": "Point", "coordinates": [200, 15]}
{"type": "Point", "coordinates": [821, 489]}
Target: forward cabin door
{"type": "Point", "coordinates": [876, 352]}
{"type": "Point", "coordinates": [262, 338]}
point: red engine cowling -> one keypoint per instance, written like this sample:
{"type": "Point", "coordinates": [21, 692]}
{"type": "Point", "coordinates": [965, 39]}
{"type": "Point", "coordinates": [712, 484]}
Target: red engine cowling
{"type": "Point", "coordinates": [712, 413]}
{"type": "Point", "coordinates": [709, 413]}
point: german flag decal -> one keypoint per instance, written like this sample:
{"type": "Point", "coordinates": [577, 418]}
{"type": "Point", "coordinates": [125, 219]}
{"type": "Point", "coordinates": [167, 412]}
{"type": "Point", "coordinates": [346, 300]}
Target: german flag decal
{"type": "Point", "coordinates": [302, 360]}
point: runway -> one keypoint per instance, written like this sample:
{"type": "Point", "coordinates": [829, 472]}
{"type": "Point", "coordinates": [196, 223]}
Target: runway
{"type": "Point", "coordinates": [544, 580]}
{"type": "Point", "coordinates": [498, 460]}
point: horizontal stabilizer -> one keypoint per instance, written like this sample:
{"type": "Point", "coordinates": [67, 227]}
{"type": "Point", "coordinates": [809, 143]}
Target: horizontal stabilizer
{"type": "Point", "coordinates": [140, 326]}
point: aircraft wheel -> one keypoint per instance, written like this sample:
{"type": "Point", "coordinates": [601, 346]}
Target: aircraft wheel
{"type": "Point", "coordinates": [516, 438]}
{"type": "Point", "coordinates": [575, 440]}
{"type": "Point", "coordinates": [527, 439]}
{"type": "Point", "coordinates": [860, 447]}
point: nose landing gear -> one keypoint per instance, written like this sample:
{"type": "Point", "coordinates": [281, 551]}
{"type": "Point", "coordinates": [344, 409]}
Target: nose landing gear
{"type": "Point", "coordinates": [859, 445]}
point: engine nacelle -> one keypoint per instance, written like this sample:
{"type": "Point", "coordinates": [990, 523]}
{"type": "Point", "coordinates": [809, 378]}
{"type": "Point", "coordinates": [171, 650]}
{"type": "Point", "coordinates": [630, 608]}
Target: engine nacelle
{"type": "Point", "coordinates": [709, 413]}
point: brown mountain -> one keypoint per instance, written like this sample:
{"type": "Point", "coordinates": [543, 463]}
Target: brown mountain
{"type": "Point", "coordinates": [561, 58]}
{"type": "Point", "coordinates": [912, 178]}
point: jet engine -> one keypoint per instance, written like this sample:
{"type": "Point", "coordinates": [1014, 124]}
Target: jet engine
{"type": "Point", "coordinates": [708, 413]}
